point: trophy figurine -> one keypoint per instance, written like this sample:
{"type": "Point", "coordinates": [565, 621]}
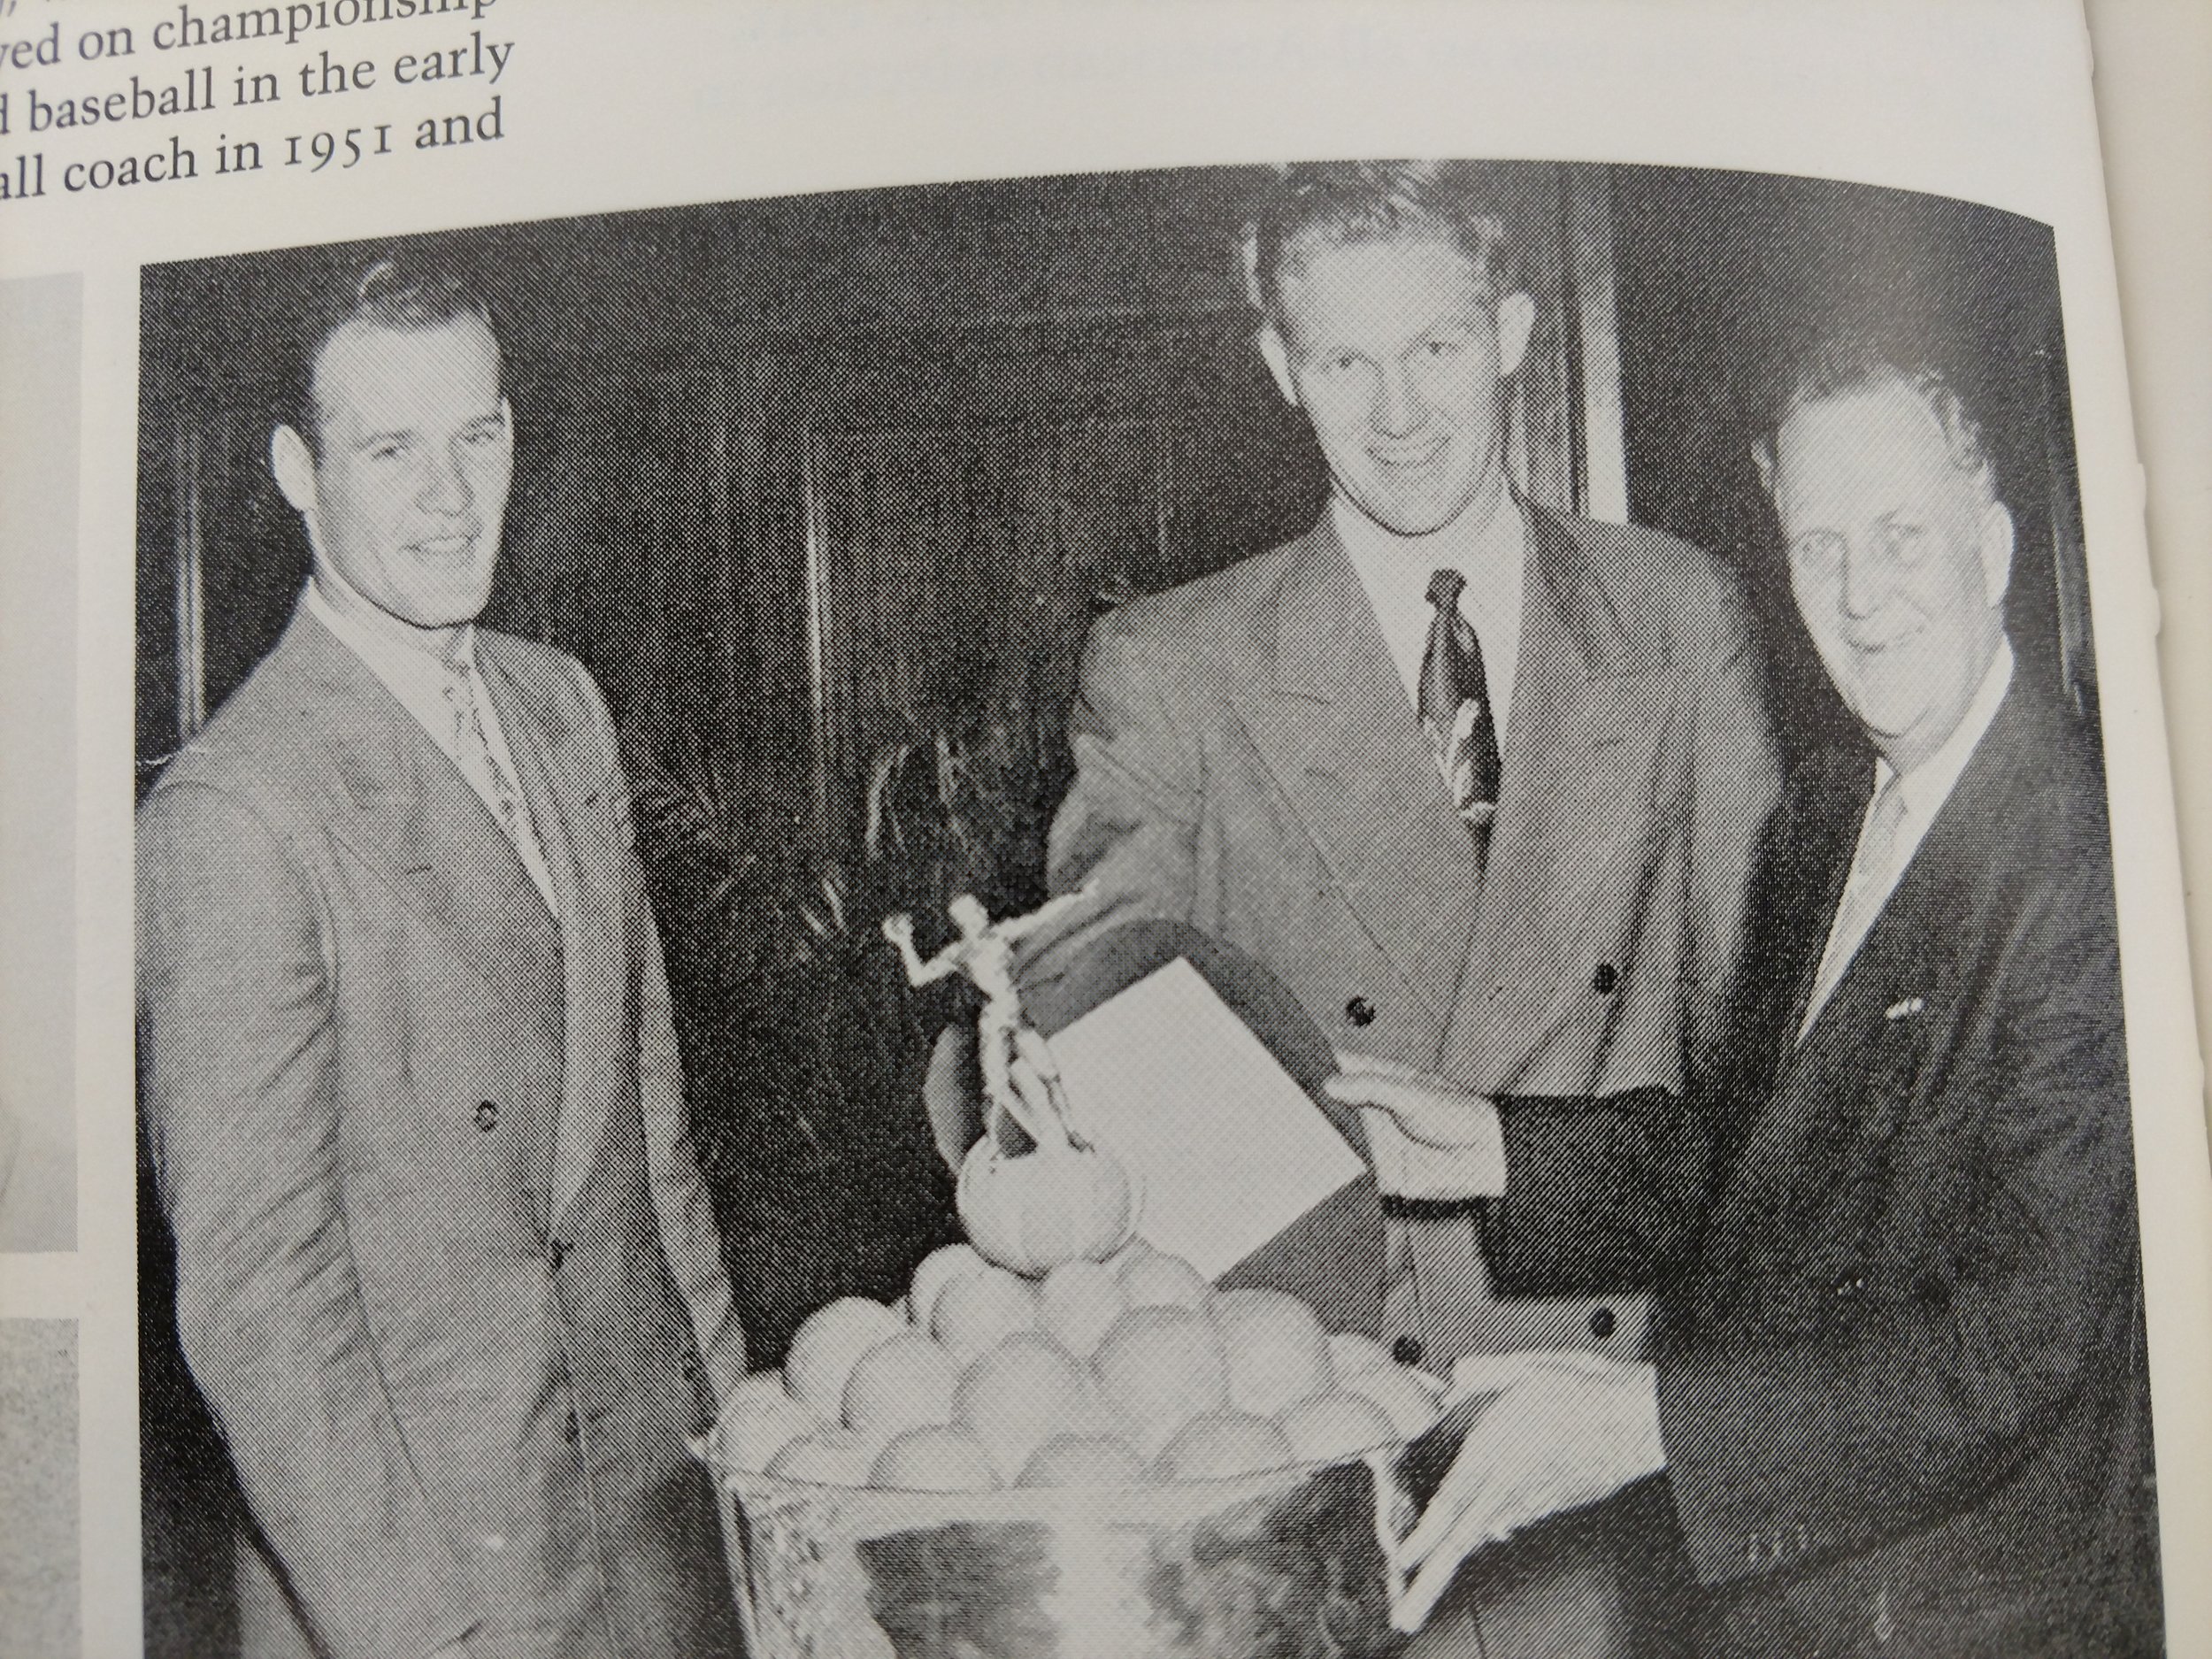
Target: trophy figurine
{"type": "Point", "coordinates": [1066, 1200]}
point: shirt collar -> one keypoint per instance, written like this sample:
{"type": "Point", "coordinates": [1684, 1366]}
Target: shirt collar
{"type": "Point", "coordinates": [1929, 784]}
{"type": "Point", "coordinates": [1488, 557]}
{"type": "Point", "coordinates": [391, 658]}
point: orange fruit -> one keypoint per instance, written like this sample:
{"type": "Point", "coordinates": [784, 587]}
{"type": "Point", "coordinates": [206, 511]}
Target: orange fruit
{"type": "Point", "coordinates": [1328, 1428]}
{"type": "Point", "coordinates": [1018, 1396]}
{"type": "Point", "coordinates": [1084, 1460]}
{"type": "Point", "coordinates": [1411, 1408]}
{"type": "Point", "coordinates": [759, 1419]}
{"type": "Point", "coordinates": [1219, 1445]}
{"type": "Point", "coordinates": [937, 1459]}
{"type": "Point", "coordinates": [1351, 1353]}
{"type": "Point", "coordinates": [1159, 1367]}
{"type": "Point", "coordinates": [1277, 1350]}
{"type": "Point", "coordinates": [827, 1457]}
{"type": "Point", "coordinates": [977, 1313]}
{"type": "Point", "coordinates": [1076, 1304]}
{"type": "Point", "coordinates": [906, 1383]}
{"type": "Point", "coordinates": [825, 1348]}
{"type": "Point", "coordinates": [938, 1270]}
{"type": "Point", "coordinates": [1151, 1279]}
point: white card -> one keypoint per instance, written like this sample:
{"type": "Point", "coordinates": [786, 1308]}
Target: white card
{"type": "Point", "coordinates": [1227, 1150]}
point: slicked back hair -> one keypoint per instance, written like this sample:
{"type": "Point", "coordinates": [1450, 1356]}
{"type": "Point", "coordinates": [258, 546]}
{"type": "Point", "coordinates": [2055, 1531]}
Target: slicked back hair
{"type": "Point", "coordinates": [1312, 205]}
{"type": "Point", "coordinates": [1838, 365]}
{"type": "Point", "coordinates": [393, 293]}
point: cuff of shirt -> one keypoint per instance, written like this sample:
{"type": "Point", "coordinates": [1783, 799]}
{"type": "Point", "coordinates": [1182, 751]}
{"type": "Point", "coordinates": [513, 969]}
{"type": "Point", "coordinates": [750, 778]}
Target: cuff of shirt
{"type": "Point", "coordinates": [1407, 1167]}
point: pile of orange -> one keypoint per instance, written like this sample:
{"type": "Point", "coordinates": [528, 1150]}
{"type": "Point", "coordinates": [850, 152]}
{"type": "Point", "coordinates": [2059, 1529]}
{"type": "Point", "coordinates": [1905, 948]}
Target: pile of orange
{"type": "Point", "coordinates": [1099, 1374]}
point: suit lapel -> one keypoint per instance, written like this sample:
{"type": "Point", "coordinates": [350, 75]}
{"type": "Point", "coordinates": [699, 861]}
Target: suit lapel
{"type": "Point", "coordinates": [1332, 721]}
{"type": "Point", "coordinates": [1824, 838]}
{"type": "Point", "coordinates": [406, 813]}
{"type": "Point", "coordinates": [1585, 716]}
{"type": "Point", "coordinates": [1865, 1060]}
{"type": "Point", "coordinates": [562, 795]}
{"type": "Point", "coordinates": [1951, 864]}
{"type": "Point", "coordinates": [1835, 1094]}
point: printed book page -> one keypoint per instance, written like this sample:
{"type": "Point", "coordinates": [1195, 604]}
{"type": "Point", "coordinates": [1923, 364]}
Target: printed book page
{"type": "Point", "coordinates": [636, 561]}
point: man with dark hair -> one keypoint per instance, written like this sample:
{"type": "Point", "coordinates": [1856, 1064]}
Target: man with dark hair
{"type": "Point", "coordinates": [1479, 781]}
{"type": "Point", "coordinates": [447, 1273]}
{"type": "Point", "coordinates": [399, 296]}
{"type": "Point", "coordinates": [1900, 1404]}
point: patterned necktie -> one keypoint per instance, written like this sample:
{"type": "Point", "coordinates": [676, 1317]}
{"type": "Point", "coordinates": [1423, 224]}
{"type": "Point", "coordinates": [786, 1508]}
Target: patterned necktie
{"type": "Point", "coordinates": [1863, 896]}
{"type": "Point", "coordinates": [479, 763]}
{"type": "Point", "coordinates": [1454, 707]}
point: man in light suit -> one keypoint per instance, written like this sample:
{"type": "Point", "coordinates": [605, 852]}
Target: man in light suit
{"type": "Point", "coordinates": [447, 1273]}
{"type": "Point", "coordinates": [1480, 783]}
{"type": "Point", "coordinates": [1900, 1405]}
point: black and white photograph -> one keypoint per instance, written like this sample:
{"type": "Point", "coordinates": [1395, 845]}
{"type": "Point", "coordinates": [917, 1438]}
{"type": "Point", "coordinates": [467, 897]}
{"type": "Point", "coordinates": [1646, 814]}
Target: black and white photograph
{"type": "Point", "coordinates": [1348, 908]}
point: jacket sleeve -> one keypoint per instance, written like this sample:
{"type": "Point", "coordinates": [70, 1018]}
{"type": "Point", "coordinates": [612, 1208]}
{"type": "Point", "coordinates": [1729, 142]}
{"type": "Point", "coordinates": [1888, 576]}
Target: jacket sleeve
{"type": "Point", "coordinates": [1911, 1399]}
{"type": "Point", "coordinates": [235, 974]}
{"type": "Point", "coordinates": [1128, 827]}
{"type": "Point", "coordinates": [1600, 1195]}
{"type": "Point", "coordinates": [690, 1238]}
{"type": "Point", "coordinates": [1735, 782]}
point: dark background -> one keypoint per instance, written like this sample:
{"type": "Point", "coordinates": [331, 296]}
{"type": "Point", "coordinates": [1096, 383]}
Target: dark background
{"type": "Point", "coordinates": [824, 491]}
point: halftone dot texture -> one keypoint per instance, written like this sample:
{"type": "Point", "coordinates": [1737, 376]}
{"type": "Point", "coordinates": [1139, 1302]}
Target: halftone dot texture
{"type": "Point", "coordinates": [39, 1549]}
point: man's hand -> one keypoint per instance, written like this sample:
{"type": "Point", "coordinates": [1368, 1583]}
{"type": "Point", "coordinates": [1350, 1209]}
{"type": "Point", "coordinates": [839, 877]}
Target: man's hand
{"type": "Point", "coordinates": [1430, 1137]}
{"type": "Point", "coordinates": [1565, 1430]}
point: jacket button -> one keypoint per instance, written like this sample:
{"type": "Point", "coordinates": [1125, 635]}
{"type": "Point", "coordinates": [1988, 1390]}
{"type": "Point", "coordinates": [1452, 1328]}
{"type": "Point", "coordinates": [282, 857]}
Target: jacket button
{"type": "Point", "coordinates": [1605, 978]}
{"type": "Point", "coordinates": [1602, 1323]}
{"type": "Point", "coordinates": [1847, 1286]}
{"type": "Point", "coordinates": [573, 1429]}
{"type": "Point", "coordinates": [1407, 1350]}
{"type": "Point", "coordinates": [1360, 1011]}
{"type": "Point", "coordinates": [488, 1116]}
{"type": "Point", "coordinates": [556, 1253]}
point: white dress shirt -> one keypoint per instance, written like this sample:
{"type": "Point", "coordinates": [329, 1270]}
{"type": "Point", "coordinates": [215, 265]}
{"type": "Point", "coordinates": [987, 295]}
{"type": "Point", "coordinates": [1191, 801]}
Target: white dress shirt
{"type": "Point", "coordinates": [1923, 792]}
{"type": "Point", "coordinates": [1395, 572]}
{"type": "Point", "coordinates": [419, 678]}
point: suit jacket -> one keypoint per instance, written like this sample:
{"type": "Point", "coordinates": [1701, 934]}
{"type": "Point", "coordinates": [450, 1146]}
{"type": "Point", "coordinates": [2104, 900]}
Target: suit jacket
{"type": "Point", "coordinates": [1903, 1393]}
{"type": "Point", "coordinates": [447, 1274]}
{"type": "Point", "coordinates": [1249, 763]}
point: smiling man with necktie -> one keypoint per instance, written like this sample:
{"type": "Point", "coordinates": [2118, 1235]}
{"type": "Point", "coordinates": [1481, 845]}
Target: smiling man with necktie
{"type": "Point", "coordinates": [1900, 1405]}
{"type": "Point", "coordinates": [447, 1273]}
{"type": "Point", "coordinates": [1478, 782]}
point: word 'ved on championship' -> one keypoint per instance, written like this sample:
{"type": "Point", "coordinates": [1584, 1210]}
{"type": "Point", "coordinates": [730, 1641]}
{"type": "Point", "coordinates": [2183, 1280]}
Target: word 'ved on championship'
{"type": "Point", "coordinates": [193, 27]}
